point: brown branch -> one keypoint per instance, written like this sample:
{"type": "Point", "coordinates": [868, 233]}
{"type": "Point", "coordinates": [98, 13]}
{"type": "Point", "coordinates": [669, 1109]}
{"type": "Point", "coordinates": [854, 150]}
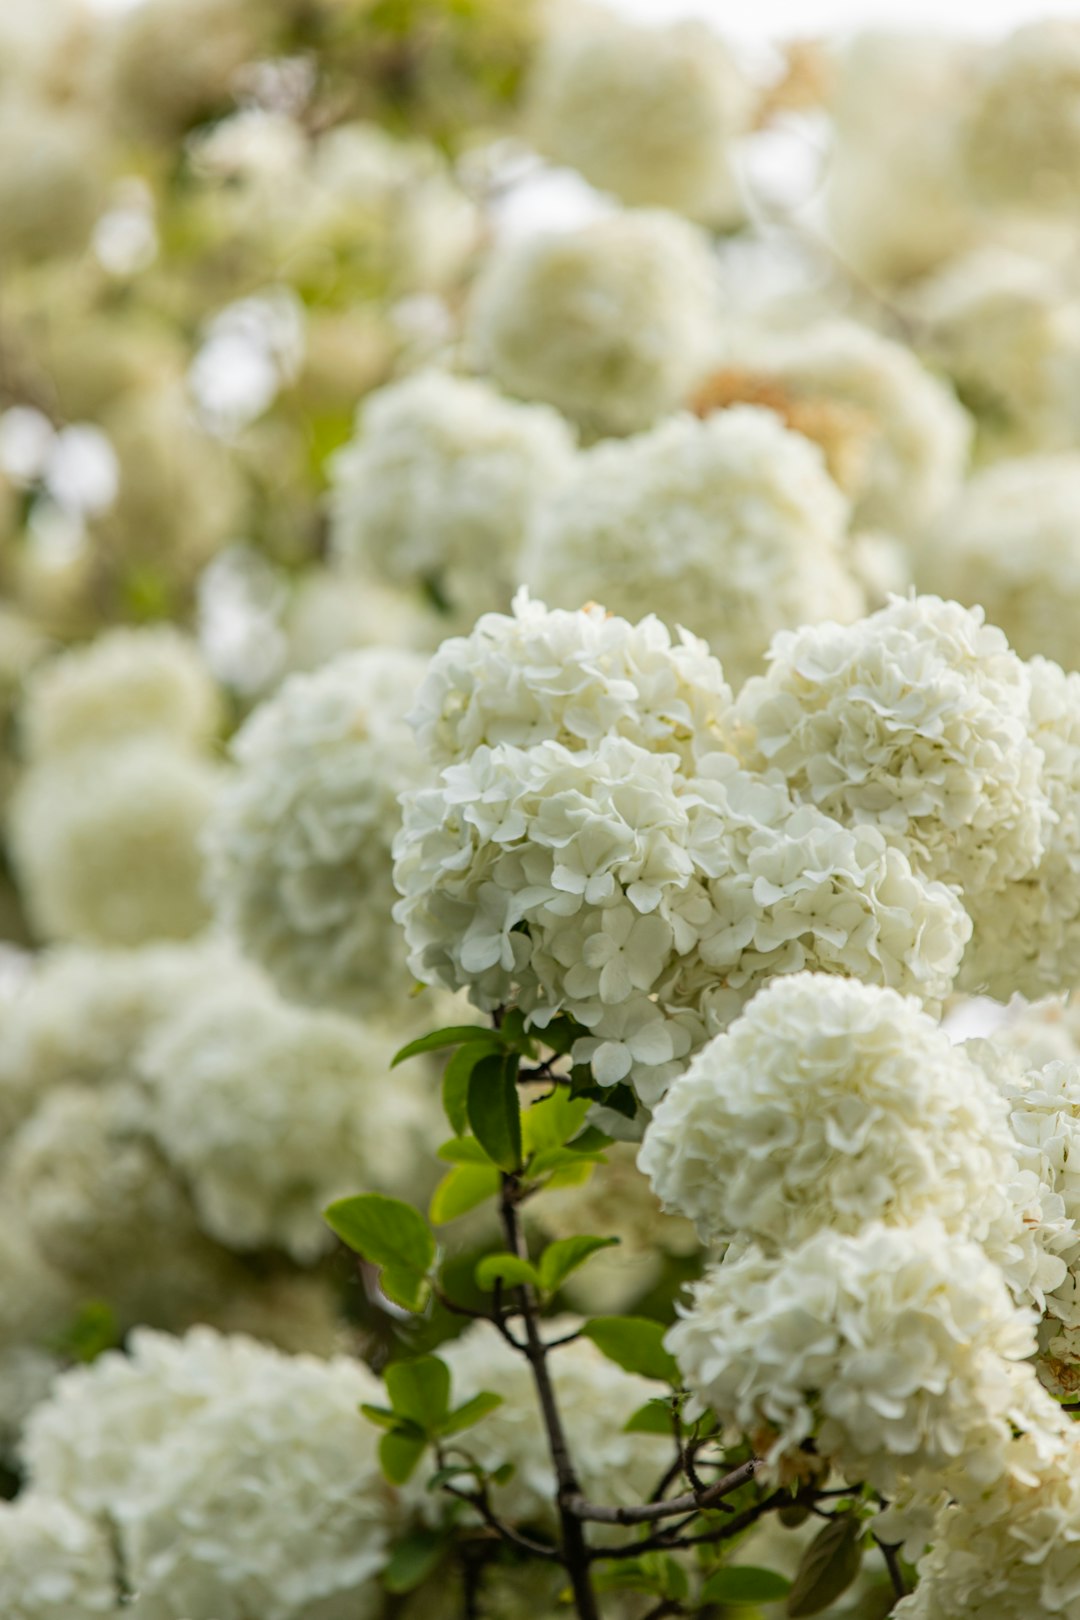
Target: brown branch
{"type": "Point", "coordinates": [690, 1502]}
{"type": "Point", "coordinates": [669, 1539]}
{"type": "Point", "coordinates": [479, 1502]}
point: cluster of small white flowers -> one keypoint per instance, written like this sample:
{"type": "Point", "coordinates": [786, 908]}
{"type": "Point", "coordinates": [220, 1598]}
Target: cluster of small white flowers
{"type": "Point", "coordinates": [55, 1564]}
{"type": "Point", "coordinates": [536, 675]}
{"type": "Point", "coordinates": [1021, 133]}
{"type": "Point", "coordinates": [730, 526]}
{"type": "Point", "coordinates": [1026, 938]}
{"type": "Point", "coordinates": [437, 488]}
{"type": "Point", "coordinates": [125, 684]}
{"type": "Point", "coordinates": [270, 1111]}
{"type": "Point", "coordinates": [650, 114]}
{"type": "Point", "coordinates": [235, 1478]}
{"type": "Point", "coordinates": [909, 436]}
{"type": "Point", "coordinates": [1006, 329]}
{"type": "Point", "coordinates": [1008, 543]}
{"type": "Point", "coordinates": [106, 842]}
{"type": "Point", "coordinates": [609, 323]}
{"type": "Point", "coordinates": [829, 1104]}
{"type": "Point", "coordinates": [914, 720]}
{"type": "Point", "coordinates": [299, 849]}
{"type": "Point", "coordinates": [595, 1399]}
{"type": "Point", "coordinates": [890, 1347]}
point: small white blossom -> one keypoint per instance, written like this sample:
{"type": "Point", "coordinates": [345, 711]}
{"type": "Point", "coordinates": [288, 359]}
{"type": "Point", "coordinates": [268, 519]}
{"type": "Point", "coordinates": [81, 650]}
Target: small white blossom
{"type": "Point", "coordinates": [54, 1563]}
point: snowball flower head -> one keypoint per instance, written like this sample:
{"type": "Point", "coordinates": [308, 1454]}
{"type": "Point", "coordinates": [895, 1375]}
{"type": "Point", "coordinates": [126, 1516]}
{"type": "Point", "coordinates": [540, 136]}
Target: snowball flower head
{"type": "Point", "coordinates": [590, 850]}
{"type": "Point", "coordinates": [890, 1347]}
{"type": "Point", "coordinates": [540, 675]}
{"type": "Point", "coordinates": [437, 487]}
{"type": "Point", "coordinates": [829, 1104]}
{"type": "Point", "coordinates": [907, 436]}
{"type": "Point", "coordinates": [127, 683]}
{"type": "Point", "coordinates": [106, 842]}
{"type": "Point", "coordinates": [1022, 129]}
{"type": "Point", "coordinates": [1009, 543]}
{"type": "Point", "coordinates": [595, 1399]}
{"type": "Point", "coordinates": [730, 526]}
{"type": "Point", "coordinates": [607, 322]}
{"type": "Point", "coordinates": [270, 1111]}
{"type": "Point", "coordinates": [650, 114]}
{"type": "Point", "coordinates": [1027, 938]}
{"type": "Point", "coordinates": [299, 849]}
{"type": "Point", "coordinates": [54, 1563]}
{"type": "Point", "coordinates": [237, 1479]}
{"type": "Point", "coordinates": [915, 721]}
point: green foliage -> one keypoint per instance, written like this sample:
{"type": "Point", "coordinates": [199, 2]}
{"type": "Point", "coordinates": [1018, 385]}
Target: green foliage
{"type": "Point", "coordinates": [742, 1583]}
{"type": "Point", "coordinates": [563, 1257]}
{"type": "Point", "coordinates": [635, 1344]}
{"type": "Point", "coordinates": [463, 1189]}
{"type": "Point", "coordinates": [655, 1417]}
{"type": "Point", "coordinates": [390, 1234]}
{"type": "Point", "coordinates": [420, 1414]}
{"type": "Point", "coordinates": [494, 1108]}
{"type": "Point", "coordinates": [653, 1572]}
{"type": "Point", "coordinates": [508, 1269]}
{"type": "Point", "coordinates": [413, 1559]}
{"type": "Point", "coordinates": [93, 1330]}
{"type": "Point", "coordinates": [453, 1035]}
{"type": "Point", "coordinates": [828, 1566]}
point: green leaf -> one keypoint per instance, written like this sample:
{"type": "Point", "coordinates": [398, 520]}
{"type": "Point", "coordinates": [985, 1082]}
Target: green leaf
{"type": "Point", "coordinates": [591, 1140]}
{"type": "Point", "coordinates": [381, 1415]}
{"type": "Point", "coordinates": [508, 1269]}
{"type": "Point", "coordinates": [455, 1083]}
{"type": "Point", "coordinates": [463, 1150]}
{"type": "Point", "coordinates": [552, 1121]}
{"type": "Point", "coordinates": [399, 1453]}
{"type": "Point", "coordinates": [466, 1186]}
{"type": "Point", "coordinates": [452, 1471]}
{"type": "Point", "coordinates": [454, 1035]}
{"type": "Point", "coordinates": [470, 1412]}
{"type": "Point", "coordinates": [828, 1566]}
{"type": "Point", "coordinates": [409, 1289]}
{"type": "Point", "coordinates": [495, 1109]}
{"type": "Point", "coordinates": [385, 1231]}
{"type": "Point", "coordinates": [556, 1159]}
{"type": "Point", "coordinates": [741, 1583]}
{"type": "Point", "coordinates": [635, 1344]}
{"type": "Point", "coordinates": [655, 1417]}
{"type": "Point", "coordinates": [560, 1259]}
{"type": "Point", "coordinates": [420, 1389]}
{"type": "Point", "coordinates": [413, 1560]}
{"type": "Point", "coordinates": [560, 1034]}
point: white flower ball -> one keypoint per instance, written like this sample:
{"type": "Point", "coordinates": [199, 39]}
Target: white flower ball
{"type": "Point", "coordinates": [540, 675]}
{"type": "Point", "coordinates": [270, 1111]}
{"type": "Point", "coordinates": [106, 842]}
{"type": "Point", "coordinates": [829, 1104]}
{"type": "Point", "coordinates": [589, 849]}
{"type": "Point", "coordinates": [595, 1399]}
{"type": "Point", "coordinates": [1022, 127]}
{"type": "Point", "coordinates": [299, 847]}
{"type": "Point", "coordinates": [437, 487]}
{"type": "Point", "coordinates": [915, 721]}
{"type": "Point", "coordinates": [791, 888]}
{"type": "Point", "coordinates": [908, 437]}
{"type": "Point", "coordinates": [127, 683]}
{"type": "Point", "coordinates": [80, 1015]}
{"type": "Point", "coordinates": [54, 183]}
{"type": "Point", "coordinates": [237, 1479]}
{"type": "Point", "coordinates": [609, 323]}
{"type": "Point", "coordinates": [890, 1348]}
{"type": "Point", "coordinates": [1027, 938]}
{"type": "Point", "coordinates": [1009, 544]}
{"type": "Point", "coordinates": [730, 526]}
{"type": "Point", "coordinates": [54, 1563]}
{"type": "Point", "coordinates": [651, 114]}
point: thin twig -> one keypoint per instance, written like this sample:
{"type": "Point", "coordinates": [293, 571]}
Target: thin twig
{"type": "Point", "coordinates": [478, 1501]}
{"type": "Point", "coordinates": [891, 1555]}
{"type": "Point", "coordinates": [690, 1502]}
{"type": "Point", "coordinates": [669, 1539]}
{"type": "Point", "coordinates": [497, 1321]}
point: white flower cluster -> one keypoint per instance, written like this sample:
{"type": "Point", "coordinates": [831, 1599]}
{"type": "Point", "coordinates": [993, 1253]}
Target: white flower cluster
{"type": "Point", "coordinates": [1008, 543]}
{"type": "Point", "coordinates": [270, 1111]}
{"type": "Point", "coordinates": [890, 1347]}
{"type": "Point", "coordinates": [55, 1564]}
{"type": "Point", "coordinates": [235, 1479]}
{"type": "Point", "coordinates": [914, 720]}
{"type": "Point", "coordinates": [608, 323]}
{"type": "Point", "coordinates": [106, 820]}
{"type": "Point", "coordinates": [437, 488]}
{"type": "Point", "coordinates": [1021, 135]}
{"type": "Point", "coordinates": [648, 893]}
{"type": "Point", "coordinates": [651, 114]}
{"type": "Point", "coordinates": [595, 1399]}
{"type": "Point", "coordinates": [730, 526]}
{"type": "Point", "coordinates": [907, 437]}
{"type": "Point", "coordinates": [124, 684]}
{"type": "Point", "coordinates": [299, 849]}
